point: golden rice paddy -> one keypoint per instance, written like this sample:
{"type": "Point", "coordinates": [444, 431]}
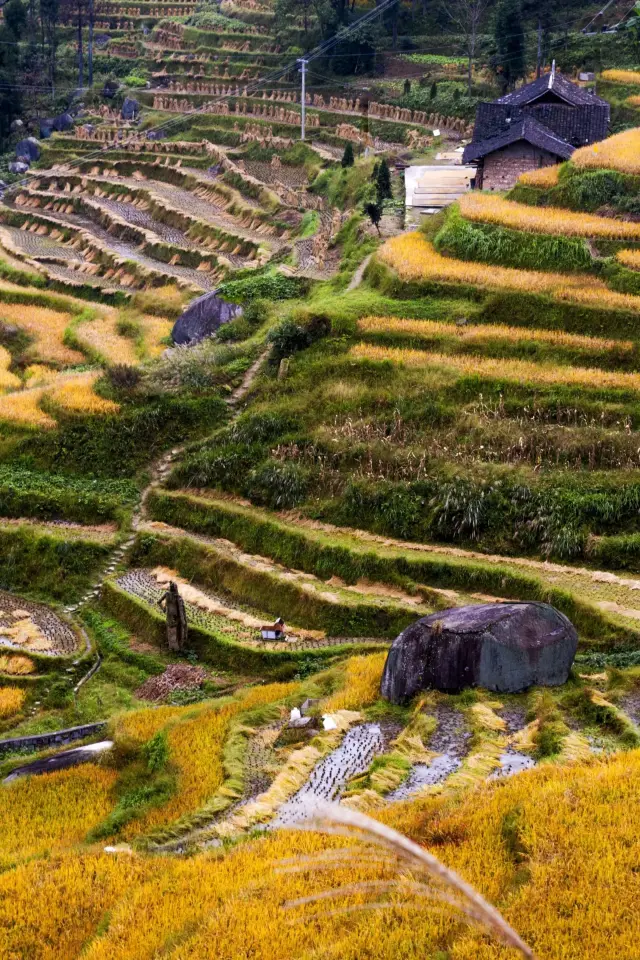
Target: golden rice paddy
{"type": "Point", "coordinates": [488, 208]}
{"type": "Point", "coordinates": [11, 700]}
{"type": "Point", "coordinates": [101, 338]}
{"type": "Point", "coordinates": [414, 258]}
{"type": "Point", "coordinates": [47, 328]}
{"type": "Point", "coordinates": [544, 177]}
{"type": "Point", "coordinates": [621, 76]}
{"type": "Point", "coordinates": [516, 370]}
{"type": "Point", "coordinates": [483, 333]}
{"type": "Point", "coordinates": [620, 152]}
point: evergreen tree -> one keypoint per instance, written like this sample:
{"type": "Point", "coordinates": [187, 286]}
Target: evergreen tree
{"type": "Point", "coordinates": [347, 156]}
{"type": "Point", "coordinates": [383, 182]}
{"type": "Point", "coordinates": [407, 86]}
{"type": "Point", "coordinates": [510, 58]}
{"type": "Point", "coordinates": [433, 93]}
{"type": "Point", "coordinates": [374, 212]}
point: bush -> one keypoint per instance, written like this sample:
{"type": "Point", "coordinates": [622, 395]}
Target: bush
{"type": "Point", "coordinates": [269, 286]}
{"type": "Point", "coordinates": [121, 376]}
{"type": "Point", "coordinates": [286, 339]}
{"type": "Point", "coordinates": [280, 486]}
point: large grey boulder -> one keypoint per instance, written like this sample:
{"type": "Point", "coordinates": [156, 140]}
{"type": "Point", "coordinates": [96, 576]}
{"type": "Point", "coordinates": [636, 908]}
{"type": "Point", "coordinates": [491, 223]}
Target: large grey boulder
{"type": "Point", "coordinates": [17, 166]}
{"type": "Point", "coordinates": [505, 647]}
{"type": "Point", "coordinates": [203, 317]}
{"type": "Point", "coordinates": [28, 148]}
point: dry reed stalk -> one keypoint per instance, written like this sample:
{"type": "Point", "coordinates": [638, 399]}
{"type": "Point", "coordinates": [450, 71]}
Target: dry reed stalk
{"type": "Point", "coordinates": [434, 880]}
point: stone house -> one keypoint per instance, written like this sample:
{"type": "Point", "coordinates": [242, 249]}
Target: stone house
{"type": "Point", "coordinates": [540, 124]}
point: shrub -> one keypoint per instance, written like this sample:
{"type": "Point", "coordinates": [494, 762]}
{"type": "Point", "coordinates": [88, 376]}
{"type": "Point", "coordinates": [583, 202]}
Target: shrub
{"type": "Point", "coordinates": [123, 377]}
{"type": "Point", "coordinates": [280, 486]}
{"type": "Point", "coordinates": [347, 156]}
{"type": "Point", "coordinates": [269, 286]}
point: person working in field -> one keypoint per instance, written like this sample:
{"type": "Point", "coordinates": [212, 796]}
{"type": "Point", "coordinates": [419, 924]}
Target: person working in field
{"type": "Point", "coordinates": [173, 604]}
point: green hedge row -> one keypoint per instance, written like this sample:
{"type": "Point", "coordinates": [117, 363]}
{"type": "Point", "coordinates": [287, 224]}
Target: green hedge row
{"type": "Point", "coordinates": [269, 592]}
{"type": "Point", "coordinates": [150, 625]}
{"type": "Point", "coordinates": [324, 556]}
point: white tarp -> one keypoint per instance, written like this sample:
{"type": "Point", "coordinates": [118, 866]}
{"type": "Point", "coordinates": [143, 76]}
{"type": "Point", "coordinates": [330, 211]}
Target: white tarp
{"type": "Point", "coordinates": [437, 186]}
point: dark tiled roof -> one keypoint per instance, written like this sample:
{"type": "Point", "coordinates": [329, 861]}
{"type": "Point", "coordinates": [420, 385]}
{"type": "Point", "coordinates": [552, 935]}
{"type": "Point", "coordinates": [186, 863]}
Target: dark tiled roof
{"type": "Point", "coordinates": [577, 125]}
{"type": "Point", "coordinates": [556, 84]}
{"type": "Point", "coordinates": [529, 129]}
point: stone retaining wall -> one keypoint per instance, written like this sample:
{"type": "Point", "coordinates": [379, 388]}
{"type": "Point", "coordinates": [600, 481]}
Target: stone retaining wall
{"type": "Point", "coordinates": [57, 738]}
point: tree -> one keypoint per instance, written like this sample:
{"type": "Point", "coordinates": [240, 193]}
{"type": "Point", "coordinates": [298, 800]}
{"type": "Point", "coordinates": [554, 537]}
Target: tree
{"type": "Point", "coordinates": [11, 31]}
{"type": "Point", "coordinates": [374, 212]}
{"type": "Point", "coordinates": [433, 92]}
{"type": "Point", "coordinates": [347, 156]}
{"type": "Point", "coordinates": [510, 59]}
{"type": "Point", "coordinates": [407, 87]}
{"type": "Point", "coordinates": [383, 182]}
{"type": "Point", "coordinates": [467, 16]}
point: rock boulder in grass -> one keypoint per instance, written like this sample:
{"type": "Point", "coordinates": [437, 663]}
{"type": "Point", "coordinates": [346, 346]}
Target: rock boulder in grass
{"type": "Point", "coordinates": [202, 318]}
{"type": "Point", "coordinates": [63, 123]}
{"type": "Point", "coordinates": [28, 148]}
{"type": "Point", "coordinates": [504, 647]}
{"type": "Point", "coordinates": [130, 109]}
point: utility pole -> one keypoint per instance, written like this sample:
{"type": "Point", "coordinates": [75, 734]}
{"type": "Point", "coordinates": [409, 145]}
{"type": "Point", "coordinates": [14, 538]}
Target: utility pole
{"type": "Point", "coordinates": [90, 51]}
{"type": "Point", "coordinates": [539, 66]}
{"type": "Point", "coordinates": [303, 114]}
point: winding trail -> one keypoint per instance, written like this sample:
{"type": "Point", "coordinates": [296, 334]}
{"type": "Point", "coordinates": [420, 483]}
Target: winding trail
{"type": "Point", "coordinates": [159, 471]}
{"type": "Point", "coordinates": [356, 279]}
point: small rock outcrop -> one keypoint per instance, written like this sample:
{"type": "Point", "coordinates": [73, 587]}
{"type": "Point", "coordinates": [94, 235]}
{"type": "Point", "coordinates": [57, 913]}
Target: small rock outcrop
{"type": "Point", "coordinates": [504, 647]}
{"type": "Point", "coordinates": [130, 109]}
{"type": "Point", "coordinates": [28, 150]}
{"type": "Point", "coordinates": [202, 318]}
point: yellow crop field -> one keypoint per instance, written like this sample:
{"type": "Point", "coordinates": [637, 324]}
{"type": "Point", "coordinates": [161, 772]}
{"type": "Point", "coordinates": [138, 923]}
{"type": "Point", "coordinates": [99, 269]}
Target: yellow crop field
{"type": "Point", "coordinates": [8, 380]}
{"type": "Point", "coordinates": [621, 76]}
{"type": "Point", "coordinates": [488, 208]}
{"type": "Point", "coordinates": [68, 391]}
{"type": "Point", "coordinates": [141, 725]}
{"type": "Point", "coordinates": [517, 370]}
{"type": "Point", "coordinates": [101, 337]}
{"type": "Point", "coordinates": [155, 330]}
{"type": "Point", "coordinates": [16, 665]}
{"type": "Point", "coordinates": [196, 750]}
{"type": "Point", "coordinates": [633, 101]}
{"type": "Point", "coordinates": [47, 328]}
{"type": "Point", "coordinates": [629, 258]}
{"type": "Point", "coordinates": [482, 333]}
{"type": "Point", "coordinates": [620, 152]}
{"type": "Point", "coordinates": [23, 409]}
{"type": "Point", "coordinates": [569, 893]}
{"type": "Point", "coordinates": [362, 676]}
{"type": "Point", "coordinates": [11, 700]}
{"type": "Point", "coordinates": [51, 811]}
{"type": "Point", "coordinates": [544, 177]}
{"type": "Point", "coordinates": [414, 258]}
{"type": "Point", "coordinates": [75, 394]}
{"type": "Point", "coordinates": [73, 891]}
